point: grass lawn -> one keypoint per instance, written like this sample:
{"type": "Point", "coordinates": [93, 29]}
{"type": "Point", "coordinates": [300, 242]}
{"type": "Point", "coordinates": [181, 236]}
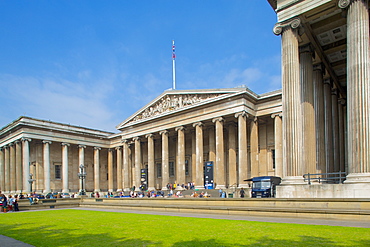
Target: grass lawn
{"type": "Point", "coordinates": [95, 228]}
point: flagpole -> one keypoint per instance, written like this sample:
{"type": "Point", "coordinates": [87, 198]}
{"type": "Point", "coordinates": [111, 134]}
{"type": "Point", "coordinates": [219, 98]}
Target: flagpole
{"type": "Point", "coordinates": [173, 66]}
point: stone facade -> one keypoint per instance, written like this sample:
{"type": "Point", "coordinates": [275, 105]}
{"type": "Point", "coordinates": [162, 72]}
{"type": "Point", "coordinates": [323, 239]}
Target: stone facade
{"type": "Point", "coordinates": [325, 67]}
{"type": "Point", "coordinates": [234, 128]}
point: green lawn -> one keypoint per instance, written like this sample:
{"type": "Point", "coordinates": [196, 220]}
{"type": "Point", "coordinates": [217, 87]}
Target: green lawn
{"type": "Point", "coordinates": [95, 228]}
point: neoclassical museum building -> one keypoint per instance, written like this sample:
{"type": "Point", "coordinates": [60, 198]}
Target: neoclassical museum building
{"type": "Point", "coordinates": [319, 123]}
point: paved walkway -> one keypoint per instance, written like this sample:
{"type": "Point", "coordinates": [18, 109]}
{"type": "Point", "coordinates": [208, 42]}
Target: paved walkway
{"type": "Point", "coordinates": [10, 242]}
{"type": "Point", "coordinates": [305, 221]}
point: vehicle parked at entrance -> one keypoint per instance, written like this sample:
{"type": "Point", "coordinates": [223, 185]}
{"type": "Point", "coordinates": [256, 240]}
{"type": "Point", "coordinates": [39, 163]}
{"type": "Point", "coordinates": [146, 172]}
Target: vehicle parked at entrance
{"type": "Point", "coordinates": [264, 186]}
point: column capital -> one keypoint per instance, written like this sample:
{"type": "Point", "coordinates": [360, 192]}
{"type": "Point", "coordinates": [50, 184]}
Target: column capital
{"type": "Point", "coordinates": [343, 4]}
{"type": "Point", "coordinates": [137, 138]}
{"type": "Point", "coordinates": [218, 119]}
{"type": "Point", "coordinates": [292, 23]}
{"type": "Point", "coordinates": [180, 128]}
{"type": "Point", "coordinates": [319, 66]}
{"type": "Point", "coordinates": [118, 148]}
{"type": "Point", "coordinates": [255, 119]}
{"type": "Point", "coordinates": [242, 113]}
{"type": "Point", "coordinates": [97, 148]}
{"type": "Point", "coordinates": [111, 150]}
{"type": "Point", "coordinates": [26, 139]}
{"type": "Point", "coordinates": [65, 144]}
{"type": "Point", "coordinates": [17, 141]}
{"type": "Point", "coordinates": [124, 140]}
{"type": "Point", "coordinates": [46, 142]}
{"type": "Point", "coordinates": [328, 81]}
{"type": "Point", "coordinates": [81, 146]}
{"type": "Point", "coordinates": [149, 136]}
{"type": "Point", "coordinates": [306, 48]}
{"type": "Point", "coordinates": [11, 144]}
{"type": "Point", "coordinates": [334, 91]}
{"type": "Point", "coordinates": [342, 101]}
{"type": "Point", "coordinates": [200, 124]}
{"type": "Point", "coordinates": [163, 132]}
{"type": "Point", "coordinates": [278, 114]}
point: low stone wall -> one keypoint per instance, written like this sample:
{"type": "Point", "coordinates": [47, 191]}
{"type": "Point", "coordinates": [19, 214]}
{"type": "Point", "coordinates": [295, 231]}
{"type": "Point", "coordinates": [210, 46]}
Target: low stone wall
{"type": "Point", "coordinates": [346, 209]}
{"type": "Point", "coordinates": [345, 190]}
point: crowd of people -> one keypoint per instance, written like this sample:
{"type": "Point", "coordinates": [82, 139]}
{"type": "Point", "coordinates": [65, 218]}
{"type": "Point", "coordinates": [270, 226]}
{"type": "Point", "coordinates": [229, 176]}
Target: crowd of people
{"type": "Point", "coordinates": [8, 203]}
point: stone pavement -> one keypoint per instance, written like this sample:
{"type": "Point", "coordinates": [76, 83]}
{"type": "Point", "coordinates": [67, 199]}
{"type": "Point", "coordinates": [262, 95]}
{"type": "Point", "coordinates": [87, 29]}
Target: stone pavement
{"type": "Point", "coordinates": [11, 242]}
{"type": "Point", "coordinates": [305, 221]}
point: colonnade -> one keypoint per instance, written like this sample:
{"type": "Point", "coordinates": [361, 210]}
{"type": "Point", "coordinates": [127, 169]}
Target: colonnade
{"type": "Point", "coordinates": [314, 111]}
{"type": "Point", "coordinates": [242, 160]}
{"type": "Point", "coordinates": [178, 152]}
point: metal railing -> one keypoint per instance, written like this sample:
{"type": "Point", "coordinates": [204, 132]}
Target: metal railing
{"type": "Point", "coordinates": [329, 178]}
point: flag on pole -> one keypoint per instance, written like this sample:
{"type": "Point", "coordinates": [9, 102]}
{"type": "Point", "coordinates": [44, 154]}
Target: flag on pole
{"type": "Point", "coordinates": [173, 50]}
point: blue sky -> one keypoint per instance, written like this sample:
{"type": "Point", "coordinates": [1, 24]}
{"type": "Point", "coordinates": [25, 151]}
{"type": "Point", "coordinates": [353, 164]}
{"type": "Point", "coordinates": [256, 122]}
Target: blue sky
{"type": "Point", "coordinates": [94, 63]}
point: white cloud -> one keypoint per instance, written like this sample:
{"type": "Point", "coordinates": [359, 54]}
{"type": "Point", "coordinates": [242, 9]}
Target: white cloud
{"type": "Point", "coordinates": [57, 100]}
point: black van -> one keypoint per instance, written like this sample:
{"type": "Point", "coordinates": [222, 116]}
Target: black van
{"type": "Point", "coordinates": [264, 186]}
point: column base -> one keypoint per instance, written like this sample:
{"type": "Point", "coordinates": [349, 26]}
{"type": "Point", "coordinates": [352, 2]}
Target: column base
{"type": "Point", "coordinates": [65, 191]}
{"type": "Point", "coordinates": [151, 188]}
{"type": "Point", "coordinates": [126, 190]}
{"type": "Point", "coordinates": [199, 187]}
{"type": "Point", "coordinates": [220, 186]}
{"type": "Point", "coordinates": [164, 188]}
{"type": "Point", "coordinates": [46, 191]}
{"type": "Point", "coordinates": [118, 190]}
{"type": "Point", "coordinates": [96, 190]}
{"type": "Point", "coordinates": [357, 178]}
{"type": "Point", "coordinates": [179, 188]}
{"type": "Point", "coordinates": [244, 186]}
{"type": "Point", "coordinates": [293, 180]}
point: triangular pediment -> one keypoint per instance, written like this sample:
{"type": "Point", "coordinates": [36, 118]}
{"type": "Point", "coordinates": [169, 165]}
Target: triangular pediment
{"type": "Point", "coordinates": [176, 100]}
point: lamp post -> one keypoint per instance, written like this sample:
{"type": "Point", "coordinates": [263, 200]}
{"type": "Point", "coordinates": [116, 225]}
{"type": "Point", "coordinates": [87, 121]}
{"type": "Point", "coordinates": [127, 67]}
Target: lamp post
{"type": "Point", "coordinates": [82, 176]}
{"type": "Point", "coordinates": [30, 181]}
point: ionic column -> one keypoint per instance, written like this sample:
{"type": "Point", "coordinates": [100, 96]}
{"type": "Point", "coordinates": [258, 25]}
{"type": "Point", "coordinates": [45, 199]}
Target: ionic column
{"type": "Point", "coordinates": [110, 170]}
{"type": "Point", "coordinates": [319, 107]}
{"type": "Point", "coordinates": [2, 168]}
{"type": "Point", "coordinates": [7, 169]}
{"type": "Point", "coordinates": [244, 171]}
{"type": "Point", "coordinates": [119, 168]}
{"type": "Point", "coordinates": [126, 167]}
{"type": "Point", "coordinates": [193, 155]}
{"type": "Point", "coordinates": [212, 144]}
{"type": "Point", "coordinates": [81, 154]}
{"type": "Point", "coordinates": [342, 152]}
{"type": "Point", "coordinates": [292, 124]}
{"type": "Point", "coordinates": [46, 161]}
{"type": "Point", "coordinates": [81, 161]}
{"type": "Point", "coordinates": [26, 164]}
{"type": "Point", "coordinates": [278, 138]}
{"type": "Point", "coordinates": [12, 168]}
{"type": "Point", "coordinates": [137, 163]}
{"type": "Point", "coordinates": [180, 164]}
{"type": "Point", "coordinates": [18, 166]}
{"type": "Point", "coordinates": [358, 90]}
{"type": "Point", "coordinates": [220, 155]}
{"type": "Point", "coordinates": [151, 172]}
{"type": "Point", "coordinates": [254, 148]}
{"type": "Point", "coordinates": [232, 156]}
{"type": "Point", "coordinates": [308, 111]}
{"type": "Point", "coordinates": [165, 159]}
{"type": "Point", "coordinates": [335, 121]}
{"type": "Point", "coordinates": [329, 158]}
{"type": "Point", "coordinates": [65, 167]}
{"type": "Point", "coordinates": [97, 169]}
{"type": "Point", "coordinates": [199, 176]}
